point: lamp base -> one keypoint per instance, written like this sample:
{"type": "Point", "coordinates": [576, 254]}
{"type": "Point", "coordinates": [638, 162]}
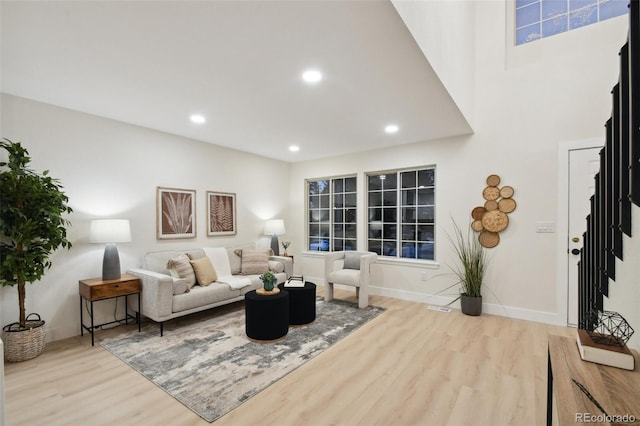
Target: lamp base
{"type": "Point", "coordinates": [110, 263]}
{"type": "Point", "coordinates": [275, 245]}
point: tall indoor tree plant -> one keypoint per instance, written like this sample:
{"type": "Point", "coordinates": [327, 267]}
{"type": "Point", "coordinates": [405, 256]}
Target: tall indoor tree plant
{"type": "Point", "coordinates": [32, 226]}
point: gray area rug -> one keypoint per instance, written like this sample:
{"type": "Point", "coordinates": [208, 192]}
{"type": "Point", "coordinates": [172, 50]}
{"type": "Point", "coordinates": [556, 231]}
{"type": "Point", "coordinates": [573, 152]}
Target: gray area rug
{"type": "Point", "coordinates": [207, 362]}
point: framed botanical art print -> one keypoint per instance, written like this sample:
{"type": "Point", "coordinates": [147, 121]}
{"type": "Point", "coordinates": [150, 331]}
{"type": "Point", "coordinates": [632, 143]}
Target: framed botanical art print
{"type": "Point", "coordinates": [221, 208]}
{"type": "Point", "coordinates": [176, 213]}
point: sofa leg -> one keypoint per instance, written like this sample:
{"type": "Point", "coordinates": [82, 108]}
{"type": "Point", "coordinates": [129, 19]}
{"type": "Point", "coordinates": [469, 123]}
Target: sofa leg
{"type": "Point", "coordinates": [161, 329]}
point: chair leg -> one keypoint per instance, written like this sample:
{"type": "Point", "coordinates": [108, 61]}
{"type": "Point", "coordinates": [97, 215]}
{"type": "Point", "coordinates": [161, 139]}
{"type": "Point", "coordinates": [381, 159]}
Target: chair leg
{"type": "Point", "coordinates": [363, 297]}
{"type": "Point", "coordinates": [328, 292]}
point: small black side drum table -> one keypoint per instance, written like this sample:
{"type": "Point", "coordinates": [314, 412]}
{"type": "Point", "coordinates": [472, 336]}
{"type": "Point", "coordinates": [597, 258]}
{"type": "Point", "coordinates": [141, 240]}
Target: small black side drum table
{"type": "Point", "coordinates": [302, 303]}
{"type": "Point", "coordinates": [266, 316]}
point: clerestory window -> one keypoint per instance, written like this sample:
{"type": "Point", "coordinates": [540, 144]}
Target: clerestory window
{"type": "Point", "coordinates": [536, 19]}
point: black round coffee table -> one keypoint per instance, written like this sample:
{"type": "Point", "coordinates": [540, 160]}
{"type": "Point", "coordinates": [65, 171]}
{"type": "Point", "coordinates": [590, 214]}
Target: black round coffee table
{"type": "Point", "coordinates": [302, 303]}
{"type": "Point", "coordinates": [266, 316]}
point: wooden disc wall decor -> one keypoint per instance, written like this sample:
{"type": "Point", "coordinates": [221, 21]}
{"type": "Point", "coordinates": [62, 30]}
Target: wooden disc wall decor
{"type": "Point", "coordinates": [478, 212]}
{"type": "Point", "coordinates": [491, 193]}
{"type": "Point", "coordinates": [506, 192]}
{"type": "Point", "coordinates": [493, 180]}
{"type": "Point", "coordinates": [492, 218]}
{"type": "Point", "coordinates": [495, 221]}
{"type": "Point", "coordinates": [491, 205]}
{"type": "Point", "coordinates": [489, 239]}
{"type": "Point", "coordinates": [507, 205]}
{"type": "Point", "coordinates": [477, 226]}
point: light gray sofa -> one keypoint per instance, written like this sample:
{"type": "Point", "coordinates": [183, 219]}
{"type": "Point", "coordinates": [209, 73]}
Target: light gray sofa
{"type": "Point", "coordinates": [163, 296]}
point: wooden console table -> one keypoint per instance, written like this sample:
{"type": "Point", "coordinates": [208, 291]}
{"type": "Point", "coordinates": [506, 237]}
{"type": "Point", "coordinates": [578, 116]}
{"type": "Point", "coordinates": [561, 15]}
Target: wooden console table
{"type": "Point", "coordinates": [616, 390]}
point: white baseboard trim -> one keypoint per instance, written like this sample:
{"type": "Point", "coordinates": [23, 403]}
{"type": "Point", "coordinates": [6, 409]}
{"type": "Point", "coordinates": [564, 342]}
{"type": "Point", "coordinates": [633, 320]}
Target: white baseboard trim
{"type": "Point", "coordinates": [489, 308]}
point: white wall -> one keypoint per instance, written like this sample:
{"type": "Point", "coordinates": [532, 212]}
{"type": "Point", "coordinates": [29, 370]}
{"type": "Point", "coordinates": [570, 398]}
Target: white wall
{"type": "Point", "coordinates": [526, 101]}
{"type": "Point", "coordinates": [111, 169]}
{"type": "Point", "coordinates": [444, 32]}
{"type": "Point", "coordinates": [525, 105]}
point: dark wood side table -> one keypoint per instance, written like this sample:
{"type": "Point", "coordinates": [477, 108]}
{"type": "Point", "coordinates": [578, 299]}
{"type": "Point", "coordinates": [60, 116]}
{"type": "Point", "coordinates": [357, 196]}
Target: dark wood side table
{"type": "Point", "coordinates": [94, 289]}
{"type": "Point", "coordinates": [615, 389]}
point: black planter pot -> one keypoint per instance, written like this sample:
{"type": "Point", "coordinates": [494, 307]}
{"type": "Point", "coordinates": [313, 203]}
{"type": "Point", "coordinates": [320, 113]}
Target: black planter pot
{"type": "Point", "coordinates": [471, 305]}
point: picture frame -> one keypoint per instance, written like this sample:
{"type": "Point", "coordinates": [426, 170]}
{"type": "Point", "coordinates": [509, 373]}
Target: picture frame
{"type": "Point", "coordinates": [175, 213]}
{"type": "Point", "coordinates": [221, 213]}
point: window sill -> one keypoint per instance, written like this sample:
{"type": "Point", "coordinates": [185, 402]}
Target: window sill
{"type": "Point", "coordinates": [384, 260]}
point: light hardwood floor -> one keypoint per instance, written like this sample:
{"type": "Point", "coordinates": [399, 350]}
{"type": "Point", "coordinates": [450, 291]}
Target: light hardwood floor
{"type": "Point", "coordinates": [409, 366]}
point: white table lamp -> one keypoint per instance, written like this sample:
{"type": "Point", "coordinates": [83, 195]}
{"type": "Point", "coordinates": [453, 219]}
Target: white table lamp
{"type": "Point", "coordinates": [274, 227]}
{"type": "Point", "coordinates": [110, 232]}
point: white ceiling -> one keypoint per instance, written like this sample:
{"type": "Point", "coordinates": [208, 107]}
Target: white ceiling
{"type": "Point", "coordinates": [239, 64]}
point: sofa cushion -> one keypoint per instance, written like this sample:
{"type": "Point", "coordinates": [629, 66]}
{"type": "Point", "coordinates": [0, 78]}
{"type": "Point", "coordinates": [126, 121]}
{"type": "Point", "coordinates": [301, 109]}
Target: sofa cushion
{"type": "Point", "coordinates": [351, 260]}
{"type": "Point", "coordinates": [180, 286]}
{"type": "Point", "coordinates": [202, 296]}
{"type": "Point", "coordinates": [275, 266]}
{"type": "Point", "coordinates": [345, 276]}
{"type": "Point", "coordinates": [180, 267]}
{"type": "Point", "coordinates": [205, 273]}
{"type": "Point", "coordinates": [255, 261]}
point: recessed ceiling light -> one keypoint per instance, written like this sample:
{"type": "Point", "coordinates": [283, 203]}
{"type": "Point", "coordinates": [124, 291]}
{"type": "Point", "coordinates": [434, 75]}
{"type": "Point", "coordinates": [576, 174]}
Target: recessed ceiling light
{"type": "Point", "coordinates": [294, 148]}
{"type": "Point", "coordinates": [197, 118]}
{"type": "Point", "coordinates": [312, 76]}
{"type": "Point", "coordinates": [391, 128]}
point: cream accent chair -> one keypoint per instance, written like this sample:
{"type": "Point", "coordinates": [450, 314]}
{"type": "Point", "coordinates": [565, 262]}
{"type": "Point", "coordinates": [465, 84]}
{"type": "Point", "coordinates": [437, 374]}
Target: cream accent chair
{"type": "Point", "coordinates": [352, 268]}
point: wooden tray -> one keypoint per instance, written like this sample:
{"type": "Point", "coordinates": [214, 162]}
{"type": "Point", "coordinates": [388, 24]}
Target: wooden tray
{"type": "Point", "coordinates": [491, 205]}
{"type": "Point", "coordinates": [507, 205]}
{"type": "Point", "coordinates": [491, 193]}
{"type": "Point", "coordinates": [477, 226]}
{"type": "Point", "coordinates": [264, 292]}
{"type": "Point", "coordinates": [489, 239]}
{"type": "Point", "coordinates": [506, 192]}
{"type": "Point", "coordinates": [493, 180]}
{"type": "Point", "coordinates": [478, 212]}
{"type": "Point", "coordinates": [495, 221]}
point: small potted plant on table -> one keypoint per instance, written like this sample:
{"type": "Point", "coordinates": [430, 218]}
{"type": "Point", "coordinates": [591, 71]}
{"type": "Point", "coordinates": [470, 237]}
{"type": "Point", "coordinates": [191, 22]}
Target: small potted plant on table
{"type": "Point", "coordinates": [268, 281]}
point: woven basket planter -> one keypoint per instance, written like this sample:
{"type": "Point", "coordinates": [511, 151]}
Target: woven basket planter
{"type": "Point", "coordinates": [21, 345]}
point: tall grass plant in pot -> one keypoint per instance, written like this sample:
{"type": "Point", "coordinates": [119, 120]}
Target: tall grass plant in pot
{"type": "Point", "coordinates": [470, 268]}
{"type": "Point", "coordinates": [32, 226]}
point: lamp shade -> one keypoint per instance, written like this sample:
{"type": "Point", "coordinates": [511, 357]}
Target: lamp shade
{"type": "Point", "coordinates": [110, 231]}
{"type": "Point", "coordinates": [274, 227]}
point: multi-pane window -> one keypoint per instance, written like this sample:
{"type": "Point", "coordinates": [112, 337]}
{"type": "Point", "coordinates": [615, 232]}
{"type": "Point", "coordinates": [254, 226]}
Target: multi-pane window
{"type": "Point", "coordinates": [331, 218]}
{"type": "Point", "coordinates": [401, 213]}
{"type": "Point", "coordinates": [536, 19]}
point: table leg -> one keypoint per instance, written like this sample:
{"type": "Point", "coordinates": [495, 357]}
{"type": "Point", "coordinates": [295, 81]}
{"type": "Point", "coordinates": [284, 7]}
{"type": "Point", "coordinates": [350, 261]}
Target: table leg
{"type": "Point", "coordinates": [81, 320]}
{"type": "Point", "coordinates": [126, 309]}
{"type": "Point", "coordinates": [92, 330]}
{"type": "Point", "coordinates": [549, 391]}
{"type": "Point", "coordinates": [139, 314]}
